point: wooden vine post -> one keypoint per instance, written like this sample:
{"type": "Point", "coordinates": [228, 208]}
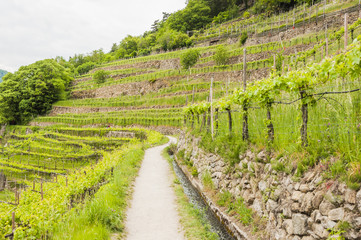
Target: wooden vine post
{"type": "Point", "coordinates": [229, 119]}
{"type": "Point", "coordinates": [208, 120]}
{"type": "Point", "coordinates": [13, 221]}
{"type": "Point", "coordinates": [216, 120]}
{"type": "Point", "coordinates": [41, 190]}
{"type": "Point", "coordinates": [304, 110]}
{"type": "Point", "coordinates": [346, 28]}
{"type": "Point", "coordinates": [274, 62]}
{"type": "Point", "coordinates": [271, 131]}
{"type": "Point", "coordinates": [193, 96]}
{"type": "Point", "coordinates": [326, 40]}
{"type": "Point", "coordinates": [203, 120]}
{"type": "Point", "coordinates": [245, 135]}
{"type": "Point", "coordinates": [211, 100]}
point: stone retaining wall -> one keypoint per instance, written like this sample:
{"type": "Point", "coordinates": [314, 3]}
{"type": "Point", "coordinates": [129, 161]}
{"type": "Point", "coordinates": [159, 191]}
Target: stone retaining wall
{"type": "Point", "coordinates": [304, 209]}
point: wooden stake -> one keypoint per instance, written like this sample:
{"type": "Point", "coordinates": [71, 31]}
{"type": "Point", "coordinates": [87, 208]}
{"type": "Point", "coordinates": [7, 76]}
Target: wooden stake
{"type": "Point", "coordinates": [211, 100]}
{"type": "Point", "coordinates": [13, 221]}
{"type": "Point", "coordinates": [41, 190]}
{"type": "Point", "coordinates": [274, 61]}
{"type": "Point", "coordinates": [326, 46]}
{"type": "Point", "coordinates": [346, 29]}
{"type": "Point", "coordinates": [245, 134]}
{"type": "Point", "coordinates": [66, 180]}
{"type": "Point", "coordinates": [193, 96]}
{"type": "Point", "coordinates": [244, 69]}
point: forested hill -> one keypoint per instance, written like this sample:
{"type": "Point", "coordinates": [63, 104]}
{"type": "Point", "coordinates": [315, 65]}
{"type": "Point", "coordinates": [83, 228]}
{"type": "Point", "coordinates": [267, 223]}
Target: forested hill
{"type": "Point", "coordinates": [2, 73]}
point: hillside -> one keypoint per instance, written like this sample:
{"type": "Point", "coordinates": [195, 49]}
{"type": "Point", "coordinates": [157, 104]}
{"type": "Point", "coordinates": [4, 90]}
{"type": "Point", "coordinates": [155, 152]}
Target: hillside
{"type": "Point", "coordinates": [2, 73]}
{"type": "Point", "coordinates": [281, 90]}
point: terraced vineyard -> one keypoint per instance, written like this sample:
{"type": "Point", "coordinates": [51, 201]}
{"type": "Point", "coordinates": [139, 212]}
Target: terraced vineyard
{"type": "Point", "coordinates": [151, 90]}
{"type": "Point", "coordinates": [60, 166]}
{"type": "Point", "coordinates": [73, 149]}
{"type": "Point", "coordinates": [50, 151]}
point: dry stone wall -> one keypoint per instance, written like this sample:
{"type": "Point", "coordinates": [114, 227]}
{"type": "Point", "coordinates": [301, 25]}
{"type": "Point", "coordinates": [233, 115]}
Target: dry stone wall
{"type": "Point", "coordinates": [297, 210]}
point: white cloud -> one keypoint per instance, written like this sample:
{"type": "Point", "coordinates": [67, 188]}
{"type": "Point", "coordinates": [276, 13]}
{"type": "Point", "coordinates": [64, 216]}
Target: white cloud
{"type": "Point", "coordinates": [35, 30]}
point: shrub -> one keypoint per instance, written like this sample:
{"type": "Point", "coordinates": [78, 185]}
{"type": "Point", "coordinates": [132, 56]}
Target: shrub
{"type": "Point", "coordinates": [100, 76]}
{"type": "Point", "coordinates": [246, 15]}
{"type": "Point", "coordinates": [243, 38]}
{"type": "Point", "coordinates": [221, 56]}
{"type": "Point", "coordinates": [190, 58]}
{"type": "Point", "coordinates": [85, 67]}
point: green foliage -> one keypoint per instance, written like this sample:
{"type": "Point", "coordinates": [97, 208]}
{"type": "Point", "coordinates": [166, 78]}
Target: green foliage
{"type": "Point", "coordinates": [100, 76]}
{"type": "Point", "coordinates": [207, 180]}
{"type": "Point", "coordinates": [32, 90]}
{"type": "Point", "coordinates": [114, 48]}
{"type": "Point", "coordinates": [221, 56]}
{"type": "Point", "coordinates": [272, 6]}
{"type": "Point", "coordinates": [337, 168]}
{"type": "Point", "coordinates": [190, 58]}
{"type": "Point", "coordinates": [231, 13]}
{"type": "Point", "coordinates": [194, 16]}
{"type": "Point", "coordinates": [224, 198]}
{"type": "Point", "coordinates": [130, 45]}
{"type": "Point", "coordinates": [243, 38]}
{"type": "Point", "coordinates": [194, 171]}
{"type": "Point", "coordinates": [218, 6]}
{"type": "Point", "coordinates": [279, 61]}
{"type": "Point", "coordinates": [227, 146]}
{"type": "Point", "coordinates": [101, 216]}
{"type": "Point", "coordinates": [171, 40]}
{"type": "Point", "coordinates": [85, 67]}
{"type": "Point", "coordinates": [246, 15]}
{"type": "Point", "coordinates": [245, 214]}
{"type": "Point", "coordinates": [105, 213]}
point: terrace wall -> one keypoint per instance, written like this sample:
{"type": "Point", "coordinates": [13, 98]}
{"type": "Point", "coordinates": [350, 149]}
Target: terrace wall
{"type": "Point", "coordinates": [298, 210]}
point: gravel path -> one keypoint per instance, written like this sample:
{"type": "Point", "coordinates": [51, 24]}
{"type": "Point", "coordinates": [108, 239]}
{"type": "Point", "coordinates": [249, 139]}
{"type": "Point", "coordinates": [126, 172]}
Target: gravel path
{"type": "Point", "coordinates": [153, 214]}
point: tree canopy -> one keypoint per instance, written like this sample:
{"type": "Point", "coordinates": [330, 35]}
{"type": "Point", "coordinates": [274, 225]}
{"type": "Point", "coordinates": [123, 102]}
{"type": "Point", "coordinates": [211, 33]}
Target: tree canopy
{"type": "Point", "coordinates": [195, 16]}
{"type": "Point", "coordinates": [190, 58]}
{"type": "Point", "coordinates": [32, 90]}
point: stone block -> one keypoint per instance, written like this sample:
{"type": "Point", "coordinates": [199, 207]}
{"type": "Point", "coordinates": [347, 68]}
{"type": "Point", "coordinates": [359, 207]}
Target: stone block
{"type": "Point", "coordinates": [336, 214]}
{"type": "Point", "coordinates": [299, 222]}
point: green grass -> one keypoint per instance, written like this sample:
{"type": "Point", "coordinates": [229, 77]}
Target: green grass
{"type": "Point", "coordinates": [105, 213]}
{"type": "Point", "coordinates": [333, 130]}
{"type": "Point", "coordinates": [207, 180]}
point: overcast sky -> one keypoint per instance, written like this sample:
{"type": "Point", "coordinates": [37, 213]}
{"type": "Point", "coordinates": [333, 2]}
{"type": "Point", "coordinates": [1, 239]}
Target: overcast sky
{"type": "Point", "coordinates": [40, 29]}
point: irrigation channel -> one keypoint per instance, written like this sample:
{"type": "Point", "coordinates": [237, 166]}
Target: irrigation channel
{"type": "Point", "coordinates": [196, 199]}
